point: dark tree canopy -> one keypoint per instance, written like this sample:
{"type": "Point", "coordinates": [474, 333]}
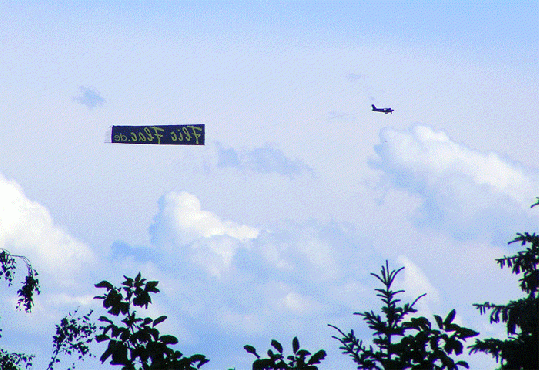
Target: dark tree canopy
{"type": "Point", "coordinates": [134, 342]}
{"type": "Point", "coordinates": [521, 349]}
{"type": "Point", "coordinates": [300, 360]}
{"type": "Point", "coordinates": [404, 344]}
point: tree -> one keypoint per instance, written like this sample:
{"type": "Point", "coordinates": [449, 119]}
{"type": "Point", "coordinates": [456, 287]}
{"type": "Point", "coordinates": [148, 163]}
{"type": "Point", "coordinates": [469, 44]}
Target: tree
{"type": "Point", "coordinates": [31, 283]}
{"type": "Point", "coordinates": [277, 361]}
{"type": "Point", "coordinates": [425, 348]}
{"type": "Point", "coordinates": [134, 342]}
{"type": "Point", "coordinates": [73, 335]}
{"type": "Point", "coordinates": [30, 287]}
{"type": "Point", "coordinates": [521, 349]}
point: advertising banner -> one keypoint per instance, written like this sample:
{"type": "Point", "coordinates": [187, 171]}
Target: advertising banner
{"type": "Point", "coordinates": [161, 135]}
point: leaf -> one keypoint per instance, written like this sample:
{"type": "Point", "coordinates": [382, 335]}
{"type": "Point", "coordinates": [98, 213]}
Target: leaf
{"type": "Point", "coordinates": [467, 333]}
{"type": "Point", "coordinates": [317, 357]}
{"type": "Point", "coordinates": [102, 337]}
{"type": "Point", "coordinates": [439, 321]}
{"type": "Point", "coordinates": [159, 320]}
{"type": "Point", "coordinates": [458, 347]}
{"type": "Point", "coordinates": [277, 345]}
{"type": "Point", "coordinates": [104, 284]}
{"type": "Point", "coordinates": [251, 349]}
{"type": "Point", "coordinates": [450, 317]}
{"type": "Point", "coordinates": [168, 339]}
{"type": "Point", "coordinates": [151, 286]}
{"type": "Point", "coordinates": [295, 345]}
{"type": "Point", "coordinates": [145, 322]}
{"type": "Point", "coordinates": [110, 349]}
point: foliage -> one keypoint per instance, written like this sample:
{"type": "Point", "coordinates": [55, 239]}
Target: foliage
{"type": "Point", "coordinates": [521, 349]}
{"type": "Point", "coordinates": [30, 286]}
{"type": "Point", "coordinates": [73, 335]}
{"type": "Point", "coordinates": [134, 342]}
{"type": "Point", "coordinates": [14, 361]}
{"type": "Point", "coordinates": [277, 361]}
{"type": "Point", "coordinates": [425, 348]}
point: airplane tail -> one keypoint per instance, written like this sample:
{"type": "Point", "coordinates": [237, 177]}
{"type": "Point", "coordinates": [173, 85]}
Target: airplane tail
{"type": "Point", "coordinates": [373, 107]}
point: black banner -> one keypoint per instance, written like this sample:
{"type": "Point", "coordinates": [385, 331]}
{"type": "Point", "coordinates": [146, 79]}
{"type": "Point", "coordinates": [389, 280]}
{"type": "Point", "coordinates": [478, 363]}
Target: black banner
{"type": "Point", "coordinates": [168, 134]}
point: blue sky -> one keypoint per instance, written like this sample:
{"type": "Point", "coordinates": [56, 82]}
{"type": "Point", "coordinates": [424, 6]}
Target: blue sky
{"type": "Point", "coordinates": [271, 229]}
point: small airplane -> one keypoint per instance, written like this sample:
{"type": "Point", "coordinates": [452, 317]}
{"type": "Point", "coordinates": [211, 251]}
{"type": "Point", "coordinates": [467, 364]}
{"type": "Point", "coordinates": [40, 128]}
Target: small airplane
{"type": "Point", "coordinates": [385, 110]}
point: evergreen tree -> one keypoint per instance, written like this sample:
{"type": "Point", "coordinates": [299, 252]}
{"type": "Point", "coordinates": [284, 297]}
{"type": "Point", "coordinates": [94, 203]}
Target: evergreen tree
{"type": "Point", "coordinates": [521, 349]}
{"type": "Point", "coordinates": [400, 344]}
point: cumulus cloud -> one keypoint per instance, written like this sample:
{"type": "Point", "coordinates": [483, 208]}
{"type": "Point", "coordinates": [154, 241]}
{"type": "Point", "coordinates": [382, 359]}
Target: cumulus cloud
{"type": "Point", "coordinates": [301, 247]}
{"type": "Point", "coordinates": [239, 279]}
{"type": "Point", "coordinates": [188, 218]}
{"type": "Point", "coordinates": [464, 191]}
{"type": "Point", "coordinates": [89, 97]}
{"type": "Point", "coordinates": [201, 236]}
{"type": "Point", "coordinates": [26, 228]}
{"type": "Point", "coordinates": [263, 160]}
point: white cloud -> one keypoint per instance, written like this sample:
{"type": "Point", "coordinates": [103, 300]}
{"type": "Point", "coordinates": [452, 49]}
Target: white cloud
{"type": "Point", "coordinates": [203, 238]}
{"type": "Point", "coordinates": [236, 281]}
{"type": "Point", "coordinates": [200, 236]}
{"type": "Point", "coordinates": [435, 157]}
{"type": "Point", "coordinates": [417, 283]}
{"type": "Point", "coordinates": [26, 228]}
{"type": "Point", "coordinates": [302, 249]}
{"type": "Point", "coordinates": [465, 191]}
{"type": "Point", "coordinates": [299, 303]}
{"type": "Point", "coordinates": [187, 218]}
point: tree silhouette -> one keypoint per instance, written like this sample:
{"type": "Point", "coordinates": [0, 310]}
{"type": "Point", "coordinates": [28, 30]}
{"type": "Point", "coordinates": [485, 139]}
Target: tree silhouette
{"type": "Point", "coordinates": [521, 349]}
{"type": "Point", "coordinates": [394, 348]}
{"type": "Point", "coordinates": [30, 287]}
{"type": "Point", "coordinates": [73, 335]}
{"type": "Point", "coordinates": [134, 343]}
{"type": "Point", "coordinates": [276, 360]}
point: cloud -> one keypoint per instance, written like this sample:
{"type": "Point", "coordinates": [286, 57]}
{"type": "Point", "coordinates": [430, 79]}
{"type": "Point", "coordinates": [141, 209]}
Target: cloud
{"type": "Point", "coordinates": [465, 192]}
{"type": "Point", "coordinates": [238, 279]}
{"type": "Point", "coordinates": [26, 228]}
{"type": "Point", "coordinates": [183, 214]}
{"type": "Point", "coordinates": [201, 236]}
{"type": "Point", "coordinates": [417, 283]}
{"type": "Point", "coordinates": [90, 97]}
{"type": "Point", "coordinates": [262, 160]}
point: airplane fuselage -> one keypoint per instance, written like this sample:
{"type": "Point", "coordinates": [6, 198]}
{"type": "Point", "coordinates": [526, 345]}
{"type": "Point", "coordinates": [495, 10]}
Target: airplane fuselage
{"type": "Point", "coordinates": [383, 110]}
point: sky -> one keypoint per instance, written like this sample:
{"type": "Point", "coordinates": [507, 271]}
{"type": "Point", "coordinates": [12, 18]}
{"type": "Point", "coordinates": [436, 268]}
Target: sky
{"type": "Point", "coordinates": [272, 228]}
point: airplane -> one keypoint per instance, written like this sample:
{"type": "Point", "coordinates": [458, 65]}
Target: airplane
{"type": "Point", "coordinates": [385, 110]}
